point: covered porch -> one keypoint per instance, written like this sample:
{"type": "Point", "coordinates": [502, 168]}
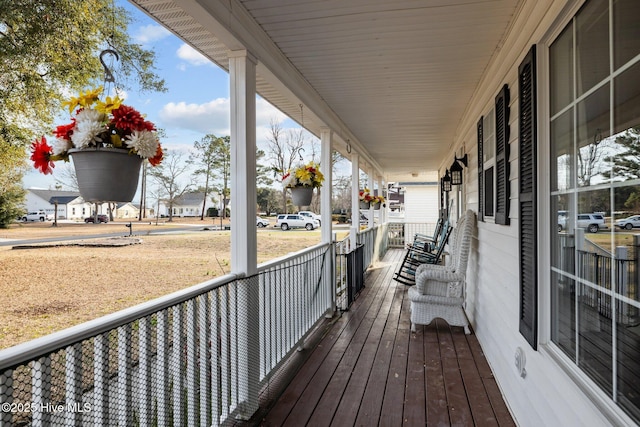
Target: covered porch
{"type": "Point", "coordinates": [367, 368]}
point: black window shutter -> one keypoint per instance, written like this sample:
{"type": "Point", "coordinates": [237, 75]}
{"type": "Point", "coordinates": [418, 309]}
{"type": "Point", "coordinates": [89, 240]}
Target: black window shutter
{"type": "Point", "coordinates": [480, 173]}
{"type": "Point", "coordinates": [527, 198]}
{"type": "Point", "coordinates": [502, 157]}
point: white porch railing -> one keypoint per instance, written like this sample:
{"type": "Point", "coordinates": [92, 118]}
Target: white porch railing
{"type": "Point", "coordinates": [402, 233]}
{"type": "Point", "coordinates": [200, 356]}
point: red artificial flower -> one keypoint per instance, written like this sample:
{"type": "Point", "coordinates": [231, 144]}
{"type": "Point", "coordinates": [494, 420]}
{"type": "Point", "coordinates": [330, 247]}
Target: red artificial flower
{"type": "Point", "coordinates": [65, 131]}
{"type": "Point", "coordinates": [41, 156]}
{"type": "Point", "coordinates": [148, 126]}
{"type": "Point", "coordinates": [128, 119]}
{"type": "Point", "coordinates": [155, 160]}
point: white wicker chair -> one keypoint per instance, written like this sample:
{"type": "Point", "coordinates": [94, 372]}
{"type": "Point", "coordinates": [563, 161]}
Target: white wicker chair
{"type": "Point", "coordinates": [440, 290]}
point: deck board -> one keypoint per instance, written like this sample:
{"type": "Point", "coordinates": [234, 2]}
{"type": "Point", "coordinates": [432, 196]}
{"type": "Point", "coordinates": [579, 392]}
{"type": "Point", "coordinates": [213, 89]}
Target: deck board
{"type": "Point", "coordinates": [370, 369]}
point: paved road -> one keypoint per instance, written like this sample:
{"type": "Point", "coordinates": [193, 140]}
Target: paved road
{"type": "Point", "coordinates": [12, 242]}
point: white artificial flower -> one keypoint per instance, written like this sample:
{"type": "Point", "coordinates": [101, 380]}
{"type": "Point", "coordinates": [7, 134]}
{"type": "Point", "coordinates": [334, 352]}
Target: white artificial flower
{"type": "Point", "coordinates": [89, 126]}
{"type": "Point", "coordinates": [61, 146]}
{"type": "Point", "coordinates": [289, 181]}
{"type": "Point", "coordinates": [144, 143]}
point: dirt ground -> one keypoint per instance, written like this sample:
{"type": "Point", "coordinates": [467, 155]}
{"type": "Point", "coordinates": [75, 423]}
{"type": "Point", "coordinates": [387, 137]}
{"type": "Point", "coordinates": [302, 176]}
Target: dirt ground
{"type": "Point", "coordinates": [48, 289]}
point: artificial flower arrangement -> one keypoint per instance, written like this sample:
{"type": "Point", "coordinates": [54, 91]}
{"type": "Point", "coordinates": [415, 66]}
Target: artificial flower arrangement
{"type": "Point", "coordinates": [308, 175]}
{"type": "Point", "coordinates": [365, 196]}
{"type": "Point", "coordinates": [377, 199]}
{"type": "Point", "coordinates": [98, 123]}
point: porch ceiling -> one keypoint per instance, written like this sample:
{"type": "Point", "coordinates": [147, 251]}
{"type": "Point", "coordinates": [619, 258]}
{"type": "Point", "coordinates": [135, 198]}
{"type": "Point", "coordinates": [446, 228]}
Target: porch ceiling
{"type": "Point", "coordinates": [392, 77]}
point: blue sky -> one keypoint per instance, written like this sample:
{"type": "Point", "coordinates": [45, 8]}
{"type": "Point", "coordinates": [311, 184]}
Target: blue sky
{"type": "Point", "coordinates": [197, 100]}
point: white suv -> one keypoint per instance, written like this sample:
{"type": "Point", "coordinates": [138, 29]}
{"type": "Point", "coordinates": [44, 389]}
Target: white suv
{"type": "Point", "coordinates": [37, 216]}
{"type": "Point", "coordinates": [592, 222]}
{"type": "Point", "coordinates": [287, 221]}
{"type": "Point", "coordinates": [311, 215]}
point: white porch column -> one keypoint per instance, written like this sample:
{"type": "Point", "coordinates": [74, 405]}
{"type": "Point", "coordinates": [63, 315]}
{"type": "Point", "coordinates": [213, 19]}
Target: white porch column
{"type": "Point", "coordinates": [355, 202]}
{"type": "Point", "coordinates": [326, 141]}
{"type": "Point", "coordinates": [242, 73]}
{"type": "Point", "coordinates": [370, 185]}
{"type": "Point", "coordinates": [382, 216]}
{"type": "Point", "coordinates": [326, 136]}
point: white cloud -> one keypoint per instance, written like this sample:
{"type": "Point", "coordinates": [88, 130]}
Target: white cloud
{"type": "Point", "coordinates": [150, 33]}
{"type": "Point", "coordinates": [192, 56]}
{"type": "Point", "coordinates": [214, 116]}
{"type": "Point", "coordinates": [210, 117]}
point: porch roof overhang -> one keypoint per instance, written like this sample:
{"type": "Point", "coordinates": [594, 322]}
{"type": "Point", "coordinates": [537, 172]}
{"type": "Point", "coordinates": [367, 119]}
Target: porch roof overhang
{"type": "Point", "coordinates": [392, 79]}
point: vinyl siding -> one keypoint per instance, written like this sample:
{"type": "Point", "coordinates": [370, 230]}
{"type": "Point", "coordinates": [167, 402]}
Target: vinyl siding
{"type": "Point", "coordinates": [421, 203]}
{"type": "Point", "coordinates": [547, 395]}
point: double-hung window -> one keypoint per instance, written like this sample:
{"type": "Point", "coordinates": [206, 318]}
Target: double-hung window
{"type": "Point", "coordinates": [594, 131]}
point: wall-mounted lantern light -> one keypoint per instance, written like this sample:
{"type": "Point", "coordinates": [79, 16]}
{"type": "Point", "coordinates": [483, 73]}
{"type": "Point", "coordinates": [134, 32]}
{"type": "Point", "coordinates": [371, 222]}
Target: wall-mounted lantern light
{"type": "Point", "coordinates": [456, 169]}
{"type": "Point", "coordinates": [446, 182]}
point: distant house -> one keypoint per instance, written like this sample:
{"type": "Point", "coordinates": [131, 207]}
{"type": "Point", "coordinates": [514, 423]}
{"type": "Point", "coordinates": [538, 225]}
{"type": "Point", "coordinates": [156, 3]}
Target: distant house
{"type": "Point", "coordinates": [70, 203]}
{"type": "Point", "coordinates": [190, 204]}
{"type": "Point", "coordinates": [395, 197]}
{"type": "Point", "coordinates": [127, 210]}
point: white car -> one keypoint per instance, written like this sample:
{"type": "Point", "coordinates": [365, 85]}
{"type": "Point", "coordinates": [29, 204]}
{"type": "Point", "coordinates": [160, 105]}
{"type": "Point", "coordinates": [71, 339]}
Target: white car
{"type": "Point", "coordinates": [592, 222]}
{"type": "Point", "coordinates": [629, 223]}
{"type": "Point", "coordinates": [261, 222]}
{"type": "Point", "coordinates": [37, 216]}
{"type": "Point", "coordinates": [311, 215]}
{"type": "Point", "coordinates": [287, 221]}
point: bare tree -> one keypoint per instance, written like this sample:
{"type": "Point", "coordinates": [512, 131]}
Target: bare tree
{"type": "Point", "coordinates": [67, 178]}
{"type": "Point", "coordinates": [284, 150]}
{"type": "Point", "coordinates": [167, 175]}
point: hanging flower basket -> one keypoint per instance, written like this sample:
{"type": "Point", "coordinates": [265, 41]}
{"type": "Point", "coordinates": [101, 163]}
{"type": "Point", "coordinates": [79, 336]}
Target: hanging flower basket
{"type": "Point", "coordinates": [301, 196]}
{"type": "Point", "coordinates": [106, 174]}
{"type": "Point", "coordinates": [364, 205]}
{"type": "Point", "coordinates": [377, 201]}
{"type": "Point", "coordinates": [108, 142]}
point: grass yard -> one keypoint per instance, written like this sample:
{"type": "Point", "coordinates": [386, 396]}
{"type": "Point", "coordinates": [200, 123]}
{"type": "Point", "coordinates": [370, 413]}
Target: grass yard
{"type": "Point", "coordinates": [49, 289]}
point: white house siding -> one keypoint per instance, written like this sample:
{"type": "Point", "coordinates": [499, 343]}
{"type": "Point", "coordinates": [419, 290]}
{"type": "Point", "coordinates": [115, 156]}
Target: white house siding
{"type": "Point", "coordinates": [421, 203]}
{"type": "Point", "coordinates": [547, 395]}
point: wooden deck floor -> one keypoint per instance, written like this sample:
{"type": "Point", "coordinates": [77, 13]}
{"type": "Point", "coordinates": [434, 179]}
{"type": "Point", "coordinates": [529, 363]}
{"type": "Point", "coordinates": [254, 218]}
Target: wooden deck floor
{"type": "Point", "coordinates": [369, 369]}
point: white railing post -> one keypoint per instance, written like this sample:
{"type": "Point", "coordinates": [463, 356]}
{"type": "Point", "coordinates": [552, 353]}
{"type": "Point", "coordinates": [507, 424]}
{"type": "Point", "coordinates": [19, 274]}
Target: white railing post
{"type": "Point", "coordinates": [124, 399]}
{"type": "Point", "coordinates": [73, 384]}
{"type": "Point", "coordinates": [41, 392]}
{"type": "Point", "coordinates": [100, 407]}
{"type": "Point", "coordinates": [191, 379]}
{"type": "Point", "coordinates": [162, 367]}
{"type": "Point", "coordinates": [206, 359]}
{"type": "Point", "coordinates": [175, 368]}
{"type": "Point", "coordinates": [144, 389]}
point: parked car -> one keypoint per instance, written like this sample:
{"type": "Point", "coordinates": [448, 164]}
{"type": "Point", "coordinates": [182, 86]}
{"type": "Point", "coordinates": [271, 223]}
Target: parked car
{"type": "Point", "coordinates": [101, 218]}
{"type": "Point", "coordinates": [629, 223]}
{"type": "Point", "coordinates": [311, 215]}
{"type": "Point", "coordinates": [261, 222]}
{"type": "Point", "coordinates": [592, 222]}
{"type": "Point", "coordinates": [287, 221]}
{"type": "Point", "coordinates": [37, 216]}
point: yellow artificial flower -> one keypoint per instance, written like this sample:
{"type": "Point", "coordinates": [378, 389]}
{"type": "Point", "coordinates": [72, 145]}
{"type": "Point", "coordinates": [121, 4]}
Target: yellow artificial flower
{"type": "Point", "coordinates": [108, 105]}
{"type": "Point", "coordinates": [84, 99]}
{"type": "Point", "coordinates": [319, 177]}
{"type": "Point", "coordinates": [304, 175]}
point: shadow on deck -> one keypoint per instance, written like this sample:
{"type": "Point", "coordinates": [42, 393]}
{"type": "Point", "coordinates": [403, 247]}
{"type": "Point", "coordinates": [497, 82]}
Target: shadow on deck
{"type": "Point", "coordinates": [368, 369]}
